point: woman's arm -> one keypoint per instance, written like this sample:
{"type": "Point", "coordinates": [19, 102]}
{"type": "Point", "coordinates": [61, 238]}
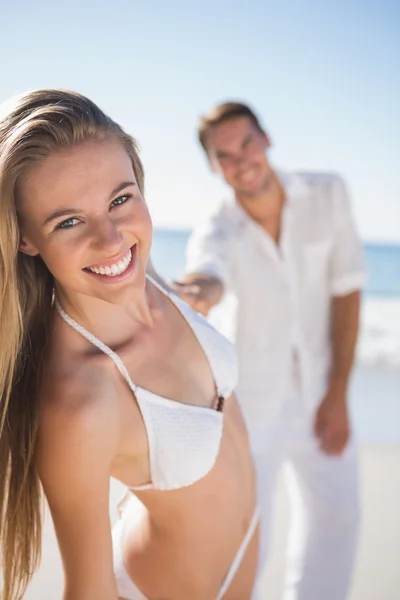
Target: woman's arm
{"type": "Point", "coordinates": [77, 442]}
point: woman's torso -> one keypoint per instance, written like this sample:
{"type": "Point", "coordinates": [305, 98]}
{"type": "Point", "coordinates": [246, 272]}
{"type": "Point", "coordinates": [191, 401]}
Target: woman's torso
{"type": "Point", "coordinates": [187, 536]}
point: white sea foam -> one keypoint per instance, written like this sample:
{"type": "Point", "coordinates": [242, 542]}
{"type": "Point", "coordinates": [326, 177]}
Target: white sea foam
{"type": "Point", "coordinates": [379, 341]}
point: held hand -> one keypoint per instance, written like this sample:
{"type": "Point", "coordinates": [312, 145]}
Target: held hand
{"type": "Point", "coordinates": [331, 424]}
{"type": "Point", "coordinates": [194, 295]}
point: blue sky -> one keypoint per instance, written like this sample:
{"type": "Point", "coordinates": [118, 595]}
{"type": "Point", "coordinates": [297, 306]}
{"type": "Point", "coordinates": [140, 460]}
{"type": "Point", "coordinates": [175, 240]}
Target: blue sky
{"type": "Point", "coordinates": [323, 77]}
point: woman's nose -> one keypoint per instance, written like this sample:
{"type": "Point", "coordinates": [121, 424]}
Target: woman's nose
{"type": "Point", "coordinates": [107, 236]}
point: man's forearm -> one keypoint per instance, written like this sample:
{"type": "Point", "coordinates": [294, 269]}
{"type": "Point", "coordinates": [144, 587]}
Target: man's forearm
{"type": "Point", "coordinates": [344, 333]}
{"type": "Point", "coordinates": [210, 287]}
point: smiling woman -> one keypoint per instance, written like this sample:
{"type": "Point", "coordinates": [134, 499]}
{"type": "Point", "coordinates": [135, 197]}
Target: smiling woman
{"type": "Point", "coordinates": [30, 133]}
{"type": "Point", "coordinates": [113, 226]}
{"type": "Point", "coordinates": [104, 372]}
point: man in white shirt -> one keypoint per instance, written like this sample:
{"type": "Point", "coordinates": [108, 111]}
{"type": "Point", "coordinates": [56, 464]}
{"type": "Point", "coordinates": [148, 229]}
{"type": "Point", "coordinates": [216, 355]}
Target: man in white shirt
{"type": "Point", "coordinates": [283, 256]}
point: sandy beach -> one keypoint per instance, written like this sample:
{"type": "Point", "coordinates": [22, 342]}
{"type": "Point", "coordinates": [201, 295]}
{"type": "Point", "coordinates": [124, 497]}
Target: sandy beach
{"type": "Point", "coordinates": [377, 576]}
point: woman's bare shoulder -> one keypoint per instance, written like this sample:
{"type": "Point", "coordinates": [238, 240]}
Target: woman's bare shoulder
{"type": "Point", "coordinates": [75, 391]}
{"type": "Point", "coordinates": [79, 420]}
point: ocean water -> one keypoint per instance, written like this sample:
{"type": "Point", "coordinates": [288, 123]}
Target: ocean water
{"type": "Point", "coordinates": [375, 389]}
{"type": "Point", "coordinates": [379, 341]}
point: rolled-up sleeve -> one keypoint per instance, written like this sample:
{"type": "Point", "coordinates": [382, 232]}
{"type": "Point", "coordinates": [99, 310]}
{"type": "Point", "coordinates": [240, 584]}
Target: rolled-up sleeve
{"type": "Point", "coordinates": [208, 249]}
{"type": "Point", "coordinates": [348, 268]}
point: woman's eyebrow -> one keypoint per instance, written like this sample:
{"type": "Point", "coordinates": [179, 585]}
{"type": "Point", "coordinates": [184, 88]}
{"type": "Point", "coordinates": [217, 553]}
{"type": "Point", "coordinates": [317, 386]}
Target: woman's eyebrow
{"type": "Point", "coordinates": [121, 187]}
{"type": "Point", "coordinates": [65, 212]}
{"type": "Point", "coordinates": [62, 212]}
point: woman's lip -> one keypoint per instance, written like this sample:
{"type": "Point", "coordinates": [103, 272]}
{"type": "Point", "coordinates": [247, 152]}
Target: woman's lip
{"type": "Point", "coordinates": [117, 278]}
{"type": "Point", "coordinates": [111, 261]}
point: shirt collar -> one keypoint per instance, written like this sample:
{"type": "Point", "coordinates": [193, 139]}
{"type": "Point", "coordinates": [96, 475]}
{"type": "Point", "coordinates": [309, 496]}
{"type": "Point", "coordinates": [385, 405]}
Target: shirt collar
{"type": "Point", "coordinates": [294, 186]}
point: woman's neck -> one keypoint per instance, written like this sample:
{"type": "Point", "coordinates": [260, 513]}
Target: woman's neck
{"type": "Point", "coordinates": [114, 324]}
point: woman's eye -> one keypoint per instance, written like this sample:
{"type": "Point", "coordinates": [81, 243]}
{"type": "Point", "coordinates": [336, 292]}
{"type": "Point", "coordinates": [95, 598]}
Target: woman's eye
{"type": "Point", "coordinates": [121, 200]}
{"type": "Point", "coordinates": [68, 223]}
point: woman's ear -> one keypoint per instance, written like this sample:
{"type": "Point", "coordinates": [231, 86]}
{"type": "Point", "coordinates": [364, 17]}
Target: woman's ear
{"type": "Point", "coordinates": [26, 246]}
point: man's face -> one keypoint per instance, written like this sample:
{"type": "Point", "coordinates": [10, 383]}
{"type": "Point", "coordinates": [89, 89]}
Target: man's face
{"type": "Point", "coordinates": [237, 150]}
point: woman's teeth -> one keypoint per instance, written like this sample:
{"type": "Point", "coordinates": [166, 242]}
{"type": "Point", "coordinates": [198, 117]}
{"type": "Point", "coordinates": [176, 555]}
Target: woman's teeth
{"type": "Point", "coordinates": [115, 269]}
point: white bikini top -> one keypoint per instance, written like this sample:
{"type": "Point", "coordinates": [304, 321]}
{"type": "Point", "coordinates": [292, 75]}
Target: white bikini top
{"type": "Point", "coordinates": [183, 439]}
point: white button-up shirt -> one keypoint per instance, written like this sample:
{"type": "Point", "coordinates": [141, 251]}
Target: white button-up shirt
{"type": "Point", "coordinates": [279, 296]}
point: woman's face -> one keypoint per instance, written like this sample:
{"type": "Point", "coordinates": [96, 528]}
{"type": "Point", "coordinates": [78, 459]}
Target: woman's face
{"type": "Point", "coordinates": [81, 209]}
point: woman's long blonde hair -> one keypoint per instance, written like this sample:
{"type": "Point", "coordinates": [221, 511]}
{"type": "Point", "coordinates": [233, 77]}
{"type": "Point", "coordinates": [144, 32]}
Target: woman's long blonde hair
{"type": "Point", "coordinates": [38, 124]}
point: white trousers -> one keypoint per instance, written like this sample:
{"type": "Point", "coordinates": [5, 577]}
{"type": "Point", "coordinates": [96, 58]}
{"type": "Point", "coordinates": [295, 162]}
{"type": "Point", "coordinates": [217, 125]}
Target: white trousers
{"type": "Point", "coordinates": [324, 503]}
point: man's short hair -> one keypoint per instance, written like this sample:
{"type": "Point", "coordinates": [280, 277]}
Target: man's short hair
{"type": "Point", "coordinates": [221, 113]}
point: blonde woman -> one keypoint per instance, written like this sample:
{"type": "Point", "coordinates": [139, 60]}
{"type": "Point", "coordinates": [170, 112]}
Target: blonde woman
{"type": "Point", "coordinates": [105, 373]}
